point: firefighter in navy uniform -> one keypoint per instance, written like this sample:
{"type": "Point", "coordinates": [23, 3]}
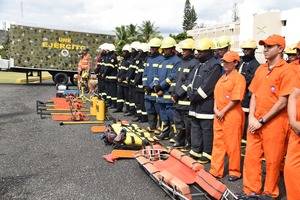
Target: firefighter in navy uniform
{"type": "Point", "coordinates": [141, 114]}
{"type": "Point", "coordinates": [200, 92]}
{"type": "Point", "coordinates": [150, 72]}
{"type": "Point", "coordinates": [130, 89]}
{"type": "Point", "coordinates": [178, 89]}
{"type": "Point", "coordinates": [247, 68]}
{"type": "Point", "coordinates": [110, 75]}
{"type": "Point", "coordinates": [121, 77]}
{"type": "Point", "coordinates": [100, 70]}
{"type": "Point", "coordinates": [165, 77]}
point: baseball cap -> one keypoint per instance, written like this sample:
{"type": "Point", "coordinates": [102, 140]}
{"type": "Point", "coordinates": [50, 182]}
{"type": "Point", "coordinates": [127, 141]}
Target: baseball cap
{"type": "Point", "coordinates": [273, 40]}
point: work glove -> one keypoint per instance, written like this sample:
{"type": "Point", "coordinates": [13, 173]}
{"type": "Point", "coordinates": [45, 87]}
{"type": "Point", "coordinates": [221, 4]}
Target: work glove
{"type": "Point", "coordinates": [157, 88]}
{"type": "Point", "coordinates": [147, 89]}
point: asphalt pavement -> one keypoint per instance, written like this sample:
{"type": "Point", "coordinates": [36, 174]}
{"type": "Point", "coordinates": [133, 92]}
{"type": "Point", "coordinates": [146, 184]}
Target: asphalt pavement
{"type": "Point", "coordinates": [41, 160]}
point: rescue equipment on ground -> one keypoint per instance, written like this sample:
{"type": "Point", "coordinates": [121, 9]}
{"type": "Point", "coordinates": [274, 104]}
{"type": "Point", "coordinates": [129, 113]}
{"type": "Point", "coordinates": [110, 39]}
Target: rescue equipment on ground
{"type": "Point", "coordinates": [180, 176]}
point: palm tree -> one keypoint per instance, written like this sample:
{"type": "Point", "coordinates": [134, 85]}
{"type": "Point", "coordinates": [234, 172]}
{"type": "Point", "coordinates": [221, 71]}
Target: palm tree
{"type": "Point", "coordinates": [121, 36]}
{"type": "Point", "coordinates": [147, 31]}
{"type": "Point", "coordinates": [132, 33]}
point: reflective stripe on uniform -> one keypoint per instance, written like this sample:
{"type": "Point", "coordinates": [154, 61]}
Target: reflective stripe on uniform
{"type": "Point", "coordinates": [120, 100]}
{"type": "Point", "coordinates": [111, 77]}
{"type": "Point", "coordinates": [206, 155]}
{"type": "Point", "coordinates": [201, 93]}
{"type": "Point", "coordinates": [201, 116]}
{"type": "Point", "coordinates": [167, 96]}
{"type": "Point", "coordinates": [145, 79]}
{"type": "Point", "coordinates": [140, 70]}
{"type": "Point", "coordinates": [168, 81]}
{"type": "Point", "coordinates": [110, 65]}
{"type": "Point", "coordinates": [155, 65]}
{"type": "Point", "coordinates": [184, 103]}
{"type": "Point", "coordinates": [153, 94]}
{"type": "Point", "coordinates": [186, 70]}
{"type": "Point", "coordinates": [245, 109]}
{"type": "Point", "coordinates": [184, 87]}
{"type": "Point", "coordinates": [173, 84]}
{"type": "Point", "coordinates": [169, 66]}
{"type": "Point", "coordinates": [140, 86]}
{"type": "Point", "coordinates": [114, 98]}
{"type": "Point", "coordinates": [144, 113]}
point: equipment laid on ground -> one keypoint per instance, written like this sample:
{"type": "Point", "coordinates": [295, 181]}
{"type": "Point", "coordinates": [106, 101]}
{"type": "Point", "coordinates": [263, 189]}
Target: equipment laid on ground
{"type": "Point", "coordinates": [180, 176]}
{"type": "Point", "coordinates": [126, 136]}
{"type": "Point", "coordinates": [120, 154]}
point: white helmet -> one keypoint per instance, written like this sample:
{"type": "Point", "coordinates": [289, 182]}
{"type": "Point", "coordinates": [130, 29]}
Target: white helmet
{"type": "Point", "coordinates": [126, 47]}
{"type": "Point", "coordinates": [135, 45]}
{"type": "Point", "coordinates": [144, 47]}
{"type": "Point", "coordinates": [111, 47]}
{"type": "Point", "coordinates": [103, 46]}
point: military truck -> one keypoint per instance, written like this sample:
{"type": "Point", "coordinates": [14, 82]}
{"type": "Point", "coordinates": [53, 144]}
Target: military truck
{"type": "Point", "coordinates": [33, 49]}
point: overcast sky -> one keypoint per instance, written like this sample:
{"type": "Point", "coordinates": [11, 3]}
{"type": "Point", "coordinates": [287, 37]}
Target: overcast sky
{"type": "Point", "coordinates": [105, 15]}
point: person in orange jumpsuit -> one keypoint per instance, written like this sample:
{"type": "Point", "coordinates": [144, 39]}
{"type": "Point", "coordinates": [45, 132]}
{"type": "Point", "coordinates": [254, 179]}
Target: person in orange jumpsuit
{"type": "Point", "coordinates": [268, 121]}
{"type": "Point", "coordinates": [229, 118]}
{"type": "Point", "coordinates": [292, 161]}
{"type": "Point", "coordinates": [84, 66]}
{"type": "Point", "coordinates": [84, 62]}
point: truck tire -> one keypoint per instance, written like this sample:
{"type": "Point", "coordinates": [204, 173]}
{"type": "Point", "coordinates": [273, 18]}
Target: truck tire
{"type": "Point", "coordinates": [61, 78]}
{"type": "Point", "coordinates": [73, 80]}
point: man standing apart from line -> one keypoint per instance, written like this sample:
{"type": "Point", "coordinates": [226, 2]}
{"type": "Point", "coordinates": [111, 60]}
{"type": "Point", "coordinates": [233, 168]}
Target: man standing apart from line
{"type": "Point", "coordinates": [268, 121]}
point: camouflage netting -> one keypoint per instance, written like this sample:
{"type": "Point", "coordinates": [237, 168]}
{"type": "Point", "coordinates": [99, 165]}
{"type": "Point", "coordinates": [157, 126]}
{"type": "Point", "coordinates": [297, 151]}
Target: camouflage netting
{"type": "Point", "coordinates": [51, 49]}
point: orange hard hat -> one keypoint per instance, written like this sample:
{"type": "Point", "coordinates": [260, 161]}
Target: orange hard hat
{"type": "Point", "coordinates": [273, 40]}
{"type": "Point", "coordinates": [231, 56]}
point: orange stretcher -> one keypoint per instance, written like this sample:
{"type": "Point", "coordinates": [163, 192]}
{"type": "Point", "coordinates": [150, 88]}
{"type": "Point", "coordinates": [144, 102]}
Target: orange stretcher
{"type": "Point", "coordinates": [180, 176]}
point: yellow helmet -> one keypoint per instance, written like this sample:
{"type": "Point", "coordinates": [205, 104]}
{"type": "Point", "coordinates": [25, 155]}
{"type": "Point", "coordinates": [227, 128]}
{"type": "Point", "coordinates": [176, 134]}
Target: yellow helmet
{"type": "Point", "coordinates": [215, 43]}
{"type": "Point", "coordinates": [291, 49]}
{"type": "Point", "coordinates": [248, 44]}
{"type": "Point", "coordinates": [223, 41]}
{"type": "Point", "coordinates": [188, 43]}
{"type": "Point", "coordinates": [168, 42]}
{"type": "Point", "coordinates": [154, 42]}
{"type": "Point", "coordinates": [204, 44]}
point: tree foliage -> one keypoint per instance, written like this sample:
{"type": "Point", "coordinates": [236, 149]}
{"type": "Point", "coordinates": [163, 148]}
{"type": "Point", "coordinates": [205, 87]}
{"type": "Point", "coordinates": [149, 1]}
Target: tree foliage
{"type": "Point", "coordinates": [126, 34]}
{"type": "Point", "coordinates": [190, 16]}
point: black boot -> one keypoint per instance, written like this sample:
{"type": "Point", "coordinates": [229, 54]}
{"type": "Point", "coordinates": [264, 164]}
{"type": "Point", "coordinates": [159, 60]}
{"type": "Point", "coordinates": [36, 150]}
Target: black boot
{"type": "Point", "coordinates": [152, 120]}
{"type": "Point", "coordinates": [143, 119]}
{"type": "Point", "coordinates": [179, 139]}
{"type": "Point", "coordinates": [165, 133]}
